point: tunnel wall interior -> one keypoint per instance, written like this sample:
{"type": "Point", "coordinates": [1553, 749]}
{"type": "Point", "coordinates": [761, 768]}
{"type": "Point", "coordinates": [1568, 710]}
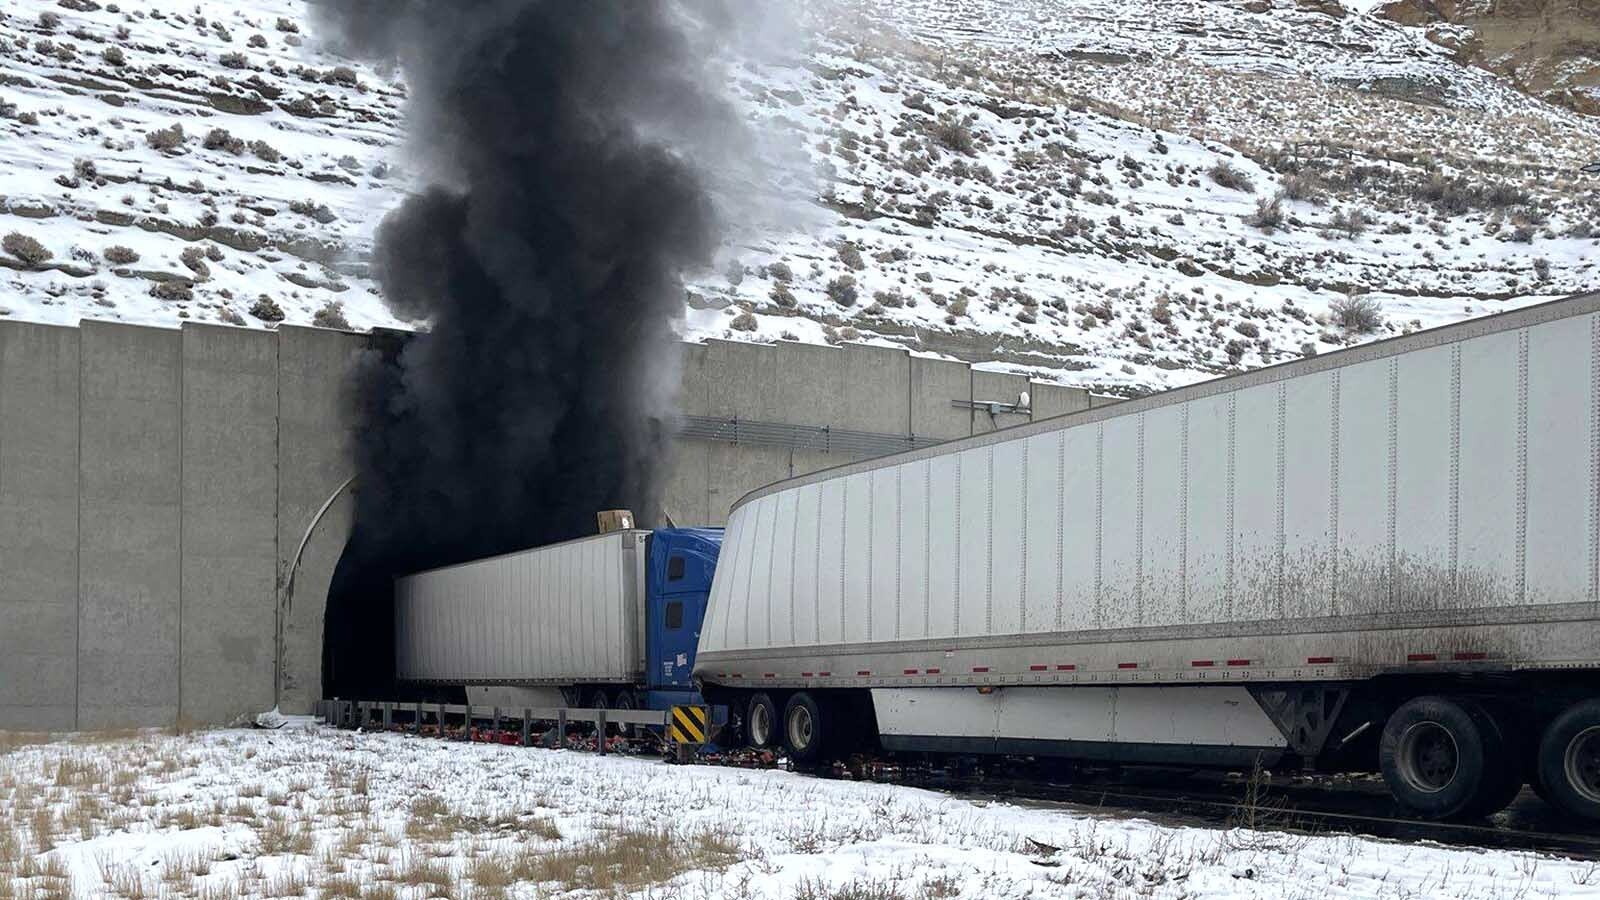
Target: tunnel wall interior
{"type": "Point", "coordinates": [155, 485]}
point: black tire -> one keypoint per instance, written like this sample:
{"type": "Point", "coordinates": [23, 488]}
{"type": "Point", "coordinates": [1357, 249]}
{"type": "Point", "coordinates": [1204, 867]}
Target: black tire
{"type": "Point", "coordinates": [761, 723]}
{"type": "Point", "coordinates": [1569, 760]}
{"type": "Point", "coordinates": [1442, 757]}
{"type": "Point", "coordinates": [626, 700]}
{"type": "Point", "coordinates": [599, 699]}
{"type": "Point", "coordinates": [804, 728]}
{"type": "Point", "coordinates": [1503, 782]}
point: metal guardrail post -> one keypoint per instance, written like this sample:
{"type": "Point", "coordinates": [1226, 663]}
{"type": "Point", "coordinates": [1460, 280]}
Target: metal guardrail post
{"type": "Point", "coordinates": [496, 733]}
{"type": "Point", "coordinates": [600, 732]}
{"type": "Point", "coordinates": [561, 728]}
{"type": "Point", "coordinates": [416, 719]}
{"type": "Point", "coordinates": [527, 725]}
{"type": "Point", "coordinates": [388, 715]}
{"type": "Point", "coordinates": [466, 724]}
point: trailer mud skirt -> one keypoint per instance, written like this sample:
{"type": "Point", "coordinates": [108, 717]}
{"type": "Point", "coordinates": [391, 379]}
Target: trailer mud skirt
{"type": "Point", "coordinates": [1201, 726]}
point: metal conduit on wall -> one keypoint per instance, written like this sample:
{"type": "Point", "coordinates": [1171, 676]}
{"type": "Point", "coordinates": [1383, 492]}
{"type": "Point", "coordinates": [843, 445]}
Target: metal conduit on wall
{"type": "Point", "coordinates": [822, 439]}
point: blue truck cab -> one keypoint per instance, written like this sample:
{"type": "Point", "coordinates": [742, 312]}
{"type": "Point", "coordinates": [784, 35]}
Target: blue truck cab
{"type": "Point", "coordinates": [677, 590]}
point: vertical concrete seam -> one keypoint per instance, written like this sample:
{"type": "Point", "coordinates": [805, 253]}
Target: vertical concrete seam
{"type": "Point", "coordinates": [279, 625]}
{"type": "Point", "coordinates": [183, 336]}
{"type": "Point", "coordinates": [77, 634]}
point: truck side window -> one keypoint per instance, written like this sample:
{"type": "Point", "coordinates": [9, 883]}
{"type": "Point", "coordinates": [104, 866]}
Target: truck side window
{"type": "Point", "coordinates": [675, 614]}
{"type": "Point", "coordinates": [674, 568]}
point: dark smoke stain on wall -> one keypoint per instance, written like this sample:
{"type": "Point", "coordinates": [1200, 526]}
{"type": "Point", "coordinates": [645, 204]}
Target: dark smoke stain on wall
{"type": "Point", "coordinates": [544, 255]}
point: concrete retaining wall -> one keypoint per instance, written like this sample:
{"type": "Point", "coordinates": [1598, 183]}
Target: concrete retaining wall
{"type": "Point", "coordinates": [155, 486]}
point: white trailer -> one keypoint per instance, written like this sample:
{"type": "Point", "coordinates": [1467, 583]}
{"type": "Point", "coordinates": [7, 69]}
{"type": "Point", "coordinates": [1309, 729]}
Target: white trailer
{"type": "Point", "coordinates": [564, 615]}
{"type": "Point", "coordinates": [1384, 557]}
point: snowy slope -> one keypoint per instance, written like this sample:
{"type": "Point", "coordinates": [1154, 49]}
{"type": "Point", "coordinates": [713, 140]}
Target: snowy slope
{"type": "Point", "coordinates": [1033, 184]}
{"type": "Point", "coordinates": [280, 204]}
{"type": "Point", "coordinates": [272, 814]}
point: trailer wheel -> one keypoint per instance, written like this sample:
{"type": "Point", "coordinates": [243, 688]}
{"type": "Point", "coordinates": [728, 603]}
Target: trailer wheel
{"type": "Point", "coordinates": [1569, 760]}
{"type": "Point", "coordinates": [761, 722]}
{"type": "Point", "coordinates": [803, 725]}
{"type": "Point", "coordinates": [626, 700]}
{"type": "Point", "coordinates": [1441, 757]}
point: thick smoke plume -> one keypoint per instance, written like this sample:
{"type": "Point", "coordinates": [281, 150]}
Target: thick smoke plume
{"type": "Point", "coordinates": [561, 143]}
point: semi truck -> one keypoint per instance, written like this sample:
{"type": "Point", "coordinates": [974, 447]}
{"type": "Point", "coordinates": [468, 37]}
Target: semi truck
{"type": "Point", "coordinates": [610, 621]}
{"type": "Point", "coordinates": [1381, 558]}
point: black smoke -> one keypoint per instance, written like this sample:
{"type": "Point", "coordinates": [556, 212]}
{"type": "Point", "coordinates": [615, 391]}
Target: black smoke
{"type": "Point", "coordinates": [563, 147]}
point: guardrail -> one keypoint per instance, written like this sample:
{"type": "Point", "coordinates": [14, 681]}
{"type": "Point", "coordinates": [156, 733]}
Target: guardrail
{"type": "Point", "coordinates": [414, 717]}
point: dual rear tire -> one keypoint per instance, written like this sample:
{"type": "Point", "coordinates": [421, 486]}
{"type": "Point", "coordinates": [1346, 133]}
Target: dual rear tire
{"type": "Point", "coordinates": [1447, 758]}
{"type": "Point", "coordinates": [1568, 761]}
{"type": "Point", "coordinates": [1454, 757]}
{"type": "Point", "coordinates": [801, 728]}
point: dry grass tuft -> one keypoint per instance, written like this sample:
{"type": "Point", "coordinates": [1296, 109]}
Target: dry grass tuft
{"type": "Point", "coordinates": [629, 859]}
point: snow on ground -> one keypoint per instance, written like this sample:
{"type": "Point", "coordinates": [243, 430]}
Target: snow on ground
{"type": "Point", "coordinates": [378, 817]}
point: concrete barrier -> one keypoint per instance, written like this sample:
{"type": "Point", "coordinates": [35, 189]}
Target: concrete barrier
{"type": "Point", "coordinates": [155, 485]}
{"type": "Point", "coordinates": [38, 526]}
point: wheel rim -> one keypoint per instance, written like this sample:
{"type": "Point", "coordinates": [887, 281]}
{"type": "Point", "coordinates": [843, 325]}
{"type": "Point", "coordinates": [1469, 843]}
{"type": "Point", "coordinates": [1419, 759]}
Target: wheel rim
{"type": "Point", "coordinates": [800, 728]}
{"type": "Point", "coordinates": [760, 724]}
{"type": "Point", "coordinates": [1428, 757]}
{"type": "Point", "coordinates": [1582, 763]}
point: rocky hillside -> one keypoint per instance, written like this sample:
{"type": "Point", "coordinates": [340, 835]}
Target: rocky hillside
{"type": "Point", "coordinates": [1125, 194]}
{"type": "Point", "coordinates": [1549, 48]}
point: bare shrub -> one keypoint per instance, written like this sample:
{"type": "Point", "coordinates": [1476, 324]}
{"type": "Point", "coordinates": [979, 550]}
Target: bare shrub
{"type": "Point", "coordinates": [234, 60]}
{"type": "Point", "coordinates": [176, 290]}
{"type": "Point", "coordinates": [851, 257]}
{"type": "Point", "coordinates": [744, 321]}
{"type": "Point", "coordinates": [266, 309]}
{"type": "Point", "coordinates": [1541, 269]}
{"type": "Point", "coordinates": [1303, 187]}
{"type": "Point", "coordinates": [25, 248]}
{"type": "Point", "coordinates": [220, 139]}
{"type": "Point", "coordinates": [331, 315]}
{"type": "Point", "coordinates": [166, 140]}
{"type": "Point", "coordinates": [287, 26]}
{"type": "Point", "coordinates": [842, 290]}
{"type": "Point", "coordinates": [265, 151]}
{"type": "Point", "coordinates": [780, 272]}
{"type": "Point", "coordinates": [49, 21]}
{"type": "Point", "coordinates": [1269, 213]}
{"type": "Point", "coordinates": [119, 255]}
{"type": "Point", "coordinates": [1231, 177]}
{"type": "Point", "coordinates": [1351, 222]}
{"type": "Point", "coordinates": [953, 135]}
{"type": "Point", "coordinates": [258, 41]}
{"type": "Point", "coordinates": [1361, 315]}
{"type": "Point", "coordinates": [114, 57]}
{"type": "Point", "coordinates": [781, 296]}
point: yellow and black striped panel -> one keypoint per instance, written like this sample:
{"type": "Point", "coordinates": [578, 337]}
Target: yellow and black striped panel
{"type": "Point", "coordinates": [689, 724]}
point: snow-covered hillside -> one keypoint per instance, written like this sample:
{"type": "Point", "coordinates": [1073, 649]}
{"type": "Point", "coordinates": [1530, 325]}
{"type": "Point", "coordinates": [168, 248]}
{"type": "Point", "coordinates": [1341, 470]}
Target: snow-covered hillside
{"type": "Point", "coordinates": [188, 161]}
{"type": "Point", "coordinates": [1125, 194]}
